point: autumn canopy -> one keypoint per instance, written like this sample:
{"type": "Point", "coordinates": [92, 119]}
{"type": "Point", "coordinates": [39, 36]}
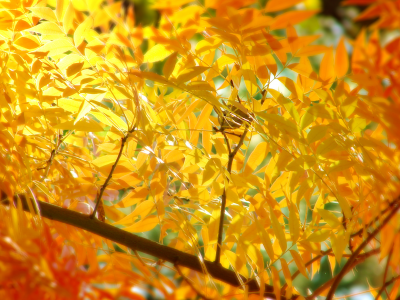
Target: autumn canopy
{"type": "Point", "coordinates": [222, 152]}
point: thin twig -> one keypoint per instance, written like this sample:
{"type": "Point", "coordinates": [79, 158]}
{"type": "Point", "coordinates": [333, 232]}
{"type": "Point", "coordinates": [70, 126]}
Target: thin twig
{"type": "Point", "coordinates": [220, 228]}
{"type": "Point", "coordinates": [357, 233]}
{"type": "Point", "coordinates": [189, 282]}
{"type": "Point", "coordinates": [359, 260]}
{"type": "Point", "coordinates": [350, 261]}
{"type": "Point", "coordinates": [385, 275]}
{"type": "Point", "coordinates": [223, 197]}
{"type": "Point", "coordinates": [103, 188]}
{"type": "Point", "coordinates": [53, 154]}
{"type": "Point", "coordinates": [386, 285]}
{"type": "Point", "coordinates": [295, 274]}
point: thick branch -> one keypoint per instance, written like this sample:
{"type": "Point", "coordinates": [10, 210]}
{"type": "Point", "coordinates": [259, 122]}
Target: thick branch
{"type": "Point", "coordinates": [137, 243]}
{"type": "Point", "coordinates": [353, 257]}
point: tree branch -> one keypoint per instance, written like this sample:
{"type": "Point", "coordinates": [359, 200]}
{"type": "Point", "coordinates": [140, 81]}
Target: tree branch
{"type": "Point", "coordinates": [103, 188]}
{"type": "Point", "coordinates": [386, 284]}
{"type": "Point", "coordinates": [143, 245]}
{"type": "Point", "coordinates": [383, 288]}
{"type": "Point", "coordinates": [359, 260]}
{"type": "Point", "coordinates": [295, 274]}
{"type": "Point", "coordinates": [350, 261]}
{"type": "Point", "coordinates": [374, 220]}
{"type": "Point", "coordinates": [223, 197]}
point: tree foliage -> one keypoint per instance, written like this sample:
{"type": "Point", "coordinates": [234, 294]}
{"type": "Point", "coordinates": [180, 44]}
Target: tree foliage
{"type": "Point", "coordinates": [247, 150]}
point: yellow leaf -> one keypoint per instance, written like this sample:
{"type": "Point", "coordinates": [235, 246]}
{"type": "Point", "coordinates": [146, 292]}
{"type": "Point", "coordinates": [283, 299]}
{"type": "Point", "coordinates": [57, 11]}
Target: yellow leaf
{"type": "Point", "coordinates": [82, 125]}
{"type": "Point", "coordinates": [276, 282]}
{"type": "Point", "coordinates": [275, 5]}
{"type": "Point", "coordinates": [340, 166]}
{"type": "Point", "coordinates": [306, 120]}
{"type": "Point", "coordinates": [319, 236]}
{"type": "Point", "coordinates": [44, 13]}
{"type": "Point", "coordinates": [115, 120]}
{"type": "Point", "coordinates": [28, 42]}
{"type": "Point", "coordinates": [339, 244]}
{"type": "Point", "coordinates": [56, 47]}
{"type": "Point", "coordinates": [265, 239]}
{"type": "Point", "coordinates": [82, 30]}
{"type": "Point", "coordinates": [61, 7]}
{"type": "Point", "coordinates": [170, 65]}
{"type": "Point", "coordinates": [134, 197]}
{"type": "Point", "coordinates": [293, 87]}
{"type": "Point", "coordinates": [190, 73]}
{"type": "Point", "coordinates": [209, 44]}
{"type": "Point", "coordinates": [249, 79]}
{"type": "Point", "coordinates": [278, 230]}
{"type": "Point", "coordinates": [316, 133]}
{"type": "Point", "coordinates": [92, 91]}
{"type": "Point", "coordinates": [327, 145]}
{"type": "Point", "coordinates": [144, 225]}
{"type": "Point", "coordinates": [69, 104]}
{"type": "Point", "coordinates": [203, 118]}
{"type": "Point", "coordinates": [259, 153]}
{"type": "Point", "coordinates": [341, 59]}
{"type": "Point", "coordinates": [291, 18]}
{"type": "Point", "coordinates": [326, 70]}
{"type": "Point", "coordinates": [105, 160]}
{"type": "Point", "coordinates": [143, 209]}
{"type": "Point", "coordinates": [322, 111]}
{"type": "Point", "coordinates": [294, 224]}
{"type": "Point", "coordinates": [311, 50]}
{"type": "Point", "coordinates": [288, 277]}
{"type": "Point", "coordinates": [199, 86]}
{"type": "Point", "coordinates": [241, 181]}
{"type": "Point", "coordinates": [358, 124]}
{"type": "Point", "coordinates": [329, 218]}
{"type": "Point", "coordinates": [68, 60]}
{"type": "Point", "coordinates": [83, 110]}
{"type": "Point", "coordinates": [68, 17]}
{"type": "Point", "coordinates": [211, 170]}
{"type": "Point", "coordinates": [344, 205]}
{"type": "Point", "coordinates": [47, 28]}
{"type": "Point", "coordinates": [281, 123]}
{"type": "Point", "coordinates": [157, 53]}
{"type": "Point", "coordinates": [299, 263]}
{"type": "Point", "coordinates": [43, 188]}
{"type": "Point", "coordinates": [304, 68]}
{"type": "Point", "coordinates": [74, 68]}
{"type": "Point", "coordinates": [286, 103]}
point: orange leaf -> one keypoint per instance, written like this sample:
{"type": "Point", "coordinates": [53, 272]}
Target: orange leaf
{"type": "Point", "coordinates": [291, 18]}
{"type": "Point", "coordinates": [275, 5]}
{"type": "Point", "coordinates": [341, 59]}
